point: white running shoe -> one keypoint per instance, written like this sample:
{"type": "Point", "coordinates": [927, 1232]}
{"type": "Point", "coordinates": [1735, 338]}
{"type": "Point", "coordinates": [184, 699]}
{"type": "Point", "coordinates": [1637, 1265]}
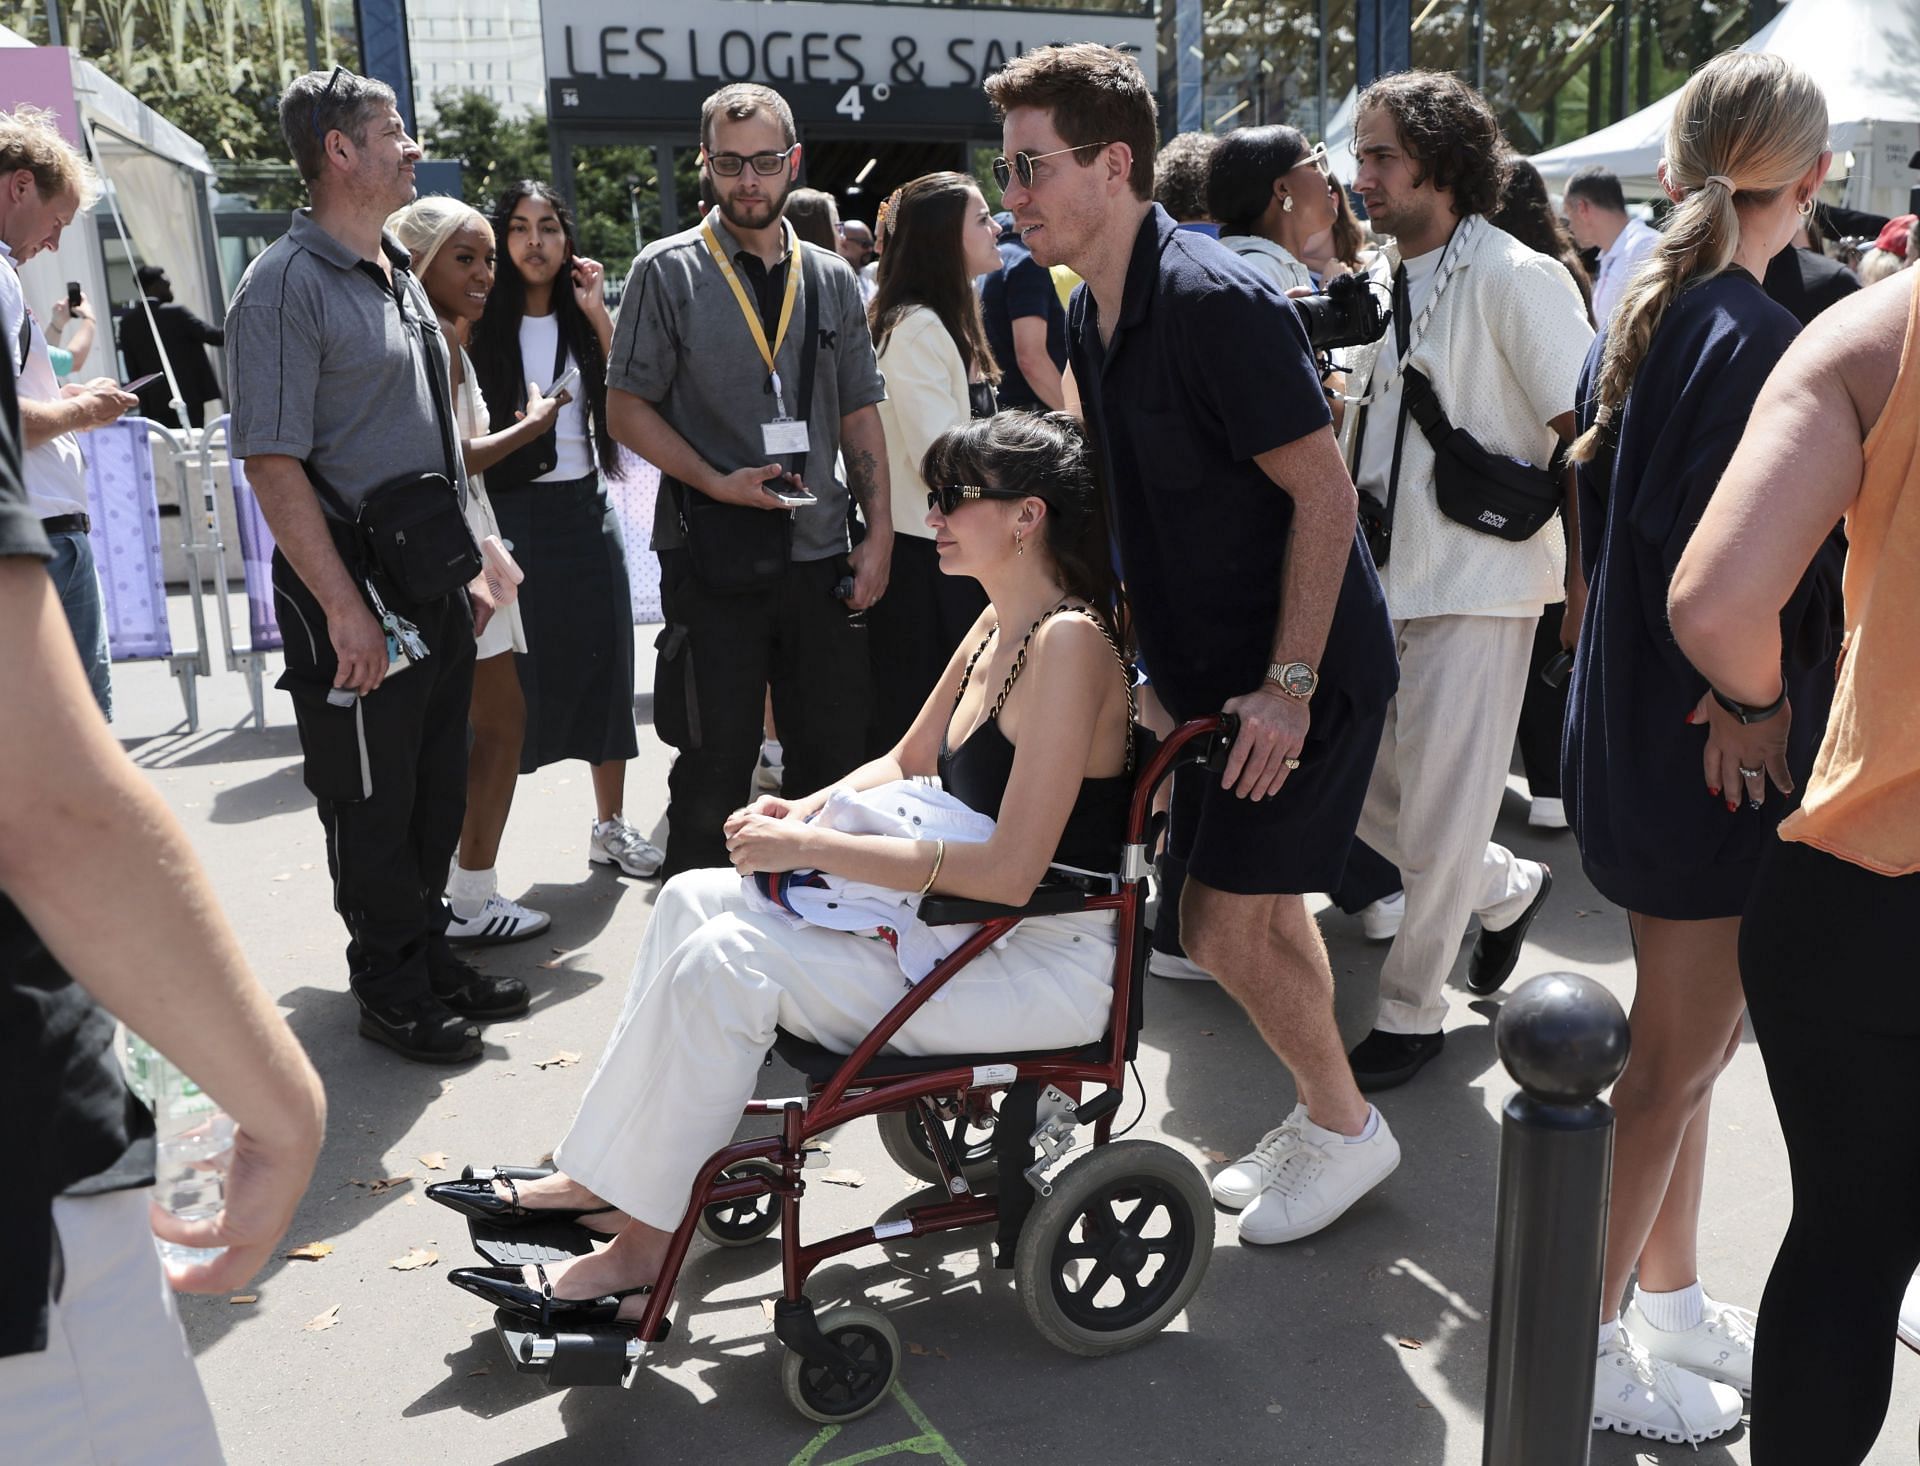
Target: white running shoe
{"type": "Point", "coordinates": [1637, 1394]}
{"type": "Point", "coordinates": [1180, 969]}
{"type": "Point", "coordinates": [1239, 1184]}
{"type": "Point", "coordinates": [769, 770]}
{"type": "Point", "coordinates": [1317, 1180]}
{"type": "Point", "coordinates": [1547, 814]}
{"type": "Point", "coordinates": [1380, 920]}
{"type": "Point", "coordinates": [500, 920]}
{"type": "Point", "coordinates": [617, 842]}
{"type": "Point", "coordinates": [1719, 1347]}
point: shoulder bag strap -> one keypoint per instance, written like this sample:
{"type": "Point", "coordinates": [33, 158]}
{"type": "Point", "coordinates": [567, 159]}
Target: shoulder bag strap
{"type": "Point", "coordinates": [1402, 341]}
{"type": "Point", "coordinates": [811, 287]}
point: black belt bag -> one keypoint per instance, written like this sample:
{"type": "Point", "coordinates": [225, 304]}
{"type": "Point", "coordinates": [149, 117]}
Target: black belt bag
{"type": "Point", "coordinates": [1507, 498]}
{"type": "Point", "coordinates": [415, 531]}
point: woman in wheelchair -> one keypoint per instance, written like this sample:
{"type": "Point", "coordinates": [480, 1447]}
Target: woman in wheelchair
{"type": "Point", "coordinates": [1031, 724]}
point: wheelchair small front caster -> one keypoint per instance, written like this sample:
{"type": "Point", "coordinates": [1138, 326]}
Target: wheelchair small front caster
{"type": "Point", "coordinates": [743, 1222]}
{"type": "Point", "coordinates": [820, 1392]}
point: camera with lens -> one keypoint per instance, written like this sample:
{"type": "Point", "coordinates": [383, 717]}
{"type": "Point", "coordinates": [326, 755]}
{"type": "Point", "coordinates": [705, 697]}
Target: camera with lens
{"type": "Point", "coordinates": [1347, 313]}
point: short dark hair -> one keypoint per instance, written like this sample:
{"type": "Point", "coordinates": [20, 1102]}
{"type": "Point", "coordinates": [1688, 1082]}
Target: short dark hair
{"type": "Point", "coordinates": [1597, 185]}
{"type": "Point", "coordinates": [150, 276]}
{"type": "Point", "coordinates": [1180, 176]}
{"type": "Point", "coordinates": [813, 215]}
{"type": "Point", "coordinates": [1094, 94]}
{"type": "Point", "coordinates": [741, 100]}
{"type": "Point", "coordinates": [1448, 130]}
{"type": "Point", "coordinates": [1245, 164]}
{"type": "Point", "coordinates": [328, 101]}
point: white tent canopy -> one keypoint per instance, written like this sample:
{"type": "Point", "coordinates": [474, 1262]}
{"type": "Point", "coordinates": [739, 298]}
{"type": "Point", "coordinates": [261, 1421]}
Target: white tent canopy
{"type": "Point", "coordinates": [1865, 54]}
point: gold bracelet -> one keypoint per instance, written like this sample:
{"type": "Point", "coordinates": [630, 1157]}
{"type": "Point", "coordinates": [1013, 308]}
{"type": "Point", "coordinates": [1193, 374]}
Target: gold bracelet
{"type": "Point", "coordinates": [939, 854]}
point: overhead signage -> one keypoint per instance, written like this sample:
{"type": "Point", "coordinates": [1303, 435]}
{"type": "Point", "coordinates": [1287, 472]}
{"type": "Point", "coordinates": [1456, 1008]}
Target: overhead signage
{"type": "Point", "coordinates": [863, 64]}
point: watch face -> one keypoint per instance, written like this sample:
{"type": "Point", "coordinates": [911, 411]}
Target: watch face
{"type": "Point", "coordinates": [1297, 679]}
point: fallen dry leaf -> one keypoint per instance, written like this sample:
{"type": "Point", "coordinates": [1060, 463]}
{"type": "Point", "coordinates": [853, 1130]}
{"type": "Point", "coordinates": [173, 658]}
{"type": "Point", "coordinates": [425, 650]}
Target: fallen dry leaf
{"type": "Point", "coordinates": [1410, 1344]}
{"type": "Point", "coordinates": [563, 957]}
{"type": "Point", "coordinates": [321, 1322]}
{"type": "Point", "coordinates": [244, 1298]}
{"type": "Point", "coordinates": [1214, 1155]}
{"type": "Point", "coordinates": [416, 1257]}
{"type": "Point", "coordinates": [920, 1349]}
{"type": "Point", "coordinates": [561, 1059]}
{"type": "Point", "coordinates": [434, 1160]}
{"type": "Point", "coordinates": [312, 1252]}
{"type": "Point", "coordinates": [843, 1176]}
{"type": "Point", "coordinates": [374, 1188]}
{"type": "Point", "coordinates": [410, 1200]}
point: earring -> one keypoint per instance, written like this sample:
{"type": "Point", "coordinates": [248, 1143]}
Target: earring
{"type": "Point", "coordinates": [1806, 207]}
{"type": "Point", "coordinates": [1286, 206]}
{"type": "Point", "coordinates": [1019, 546]}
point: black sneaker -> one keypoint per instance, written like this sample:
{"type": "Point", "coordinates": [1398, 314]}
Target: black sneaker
{"type": "Point", "coordinates": [467, 990]}
{"type": "Point", "coordinates": [1384, 1060]}
{"type": "Point", "coordinates": [1495, 954]}
{"type": "Point", "coordinates": [422, 1029]}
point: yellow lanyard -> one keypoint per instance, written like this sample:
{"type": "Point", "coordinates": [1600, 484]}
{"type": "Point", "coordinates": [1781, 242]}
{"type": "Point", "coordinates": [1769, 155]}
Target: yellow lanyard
{"type": "Point", "coordinates": [748, 307]}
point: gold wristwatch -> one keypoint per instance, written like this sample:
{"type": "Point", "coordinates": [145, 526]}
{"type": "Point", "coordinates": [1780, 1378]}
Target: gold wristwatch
{"type": "Point", "coordinates": [1296, 679]}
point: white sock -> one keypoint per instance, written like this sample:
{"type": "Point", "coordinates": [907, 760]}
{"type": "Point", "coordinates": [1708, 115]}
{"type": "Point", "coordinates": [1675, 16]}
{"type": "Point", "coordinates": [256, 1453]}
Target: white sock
{"type": "Point", "coordinates": [1675, 1312]}
{"type": "Point", "coordinates": [771, 751]}
{"type": "Point", "coordinates": [1609, 1331]}
{"type": "Point", "coordinates": [467, 891]}
{"type": "Point", "coordinates": [1368, 1130]}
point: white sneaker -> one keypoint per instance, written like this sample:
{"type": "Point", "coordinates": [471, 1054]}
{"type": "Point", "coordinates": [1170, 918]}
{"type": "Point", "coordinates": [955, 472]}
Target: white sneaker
{"type": "Point", "coordinates": [769, 771]}
{"type": "Point", "coordinates": [500, 920]}
{"type": "Point", "coordinates": [1381, 919]}
{"type": "Point", "coordinates": [1636, 1394]}
{"type": "Point", "coordinates": [1239, 1184]}
{"type": "Point", "coordinates": [617, 842]}
{"type": "Point", "coordinates": [1317, 1180]}
{"type": "Point", "coordinates": [1547, 814]}
{"type": "Point", "coordinates": [1908, 1329]}
{"type": "Point", "coordinates": [1180, 969]}
{"type": "Point", "coordinates": [1719, 1347]}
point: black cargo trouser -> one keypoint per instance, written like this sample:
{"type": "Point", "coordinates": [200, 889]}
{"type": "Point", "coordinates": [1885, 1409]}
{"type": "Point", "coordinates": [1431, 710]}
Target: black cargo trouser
{"type": "Point", "coordinates": [389, 778]}
{"type": "Point", "coordinates": [718, 655]}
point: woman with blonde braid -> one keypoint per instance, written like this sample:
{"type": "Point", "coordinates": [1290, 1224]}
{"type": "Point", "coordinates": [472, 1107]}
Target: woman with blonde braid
{"type": "Point", "coordinates": [1672, 791]}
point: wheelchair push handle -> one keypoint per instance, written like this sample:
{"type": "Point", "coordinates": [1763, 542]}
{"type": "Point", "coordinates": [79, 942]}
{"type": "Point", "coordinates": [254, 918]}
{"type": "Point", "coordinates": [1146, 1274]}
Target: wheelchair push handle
{"type": "Point", "coordinates": [1220, 745]}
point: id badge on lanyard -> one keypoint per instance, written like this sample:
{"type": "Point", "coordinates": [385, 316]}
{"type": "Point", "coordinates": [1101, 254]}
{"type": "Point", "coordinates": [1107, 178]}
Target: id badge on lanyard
{"type": "Point", "coordinates": [783, 436]}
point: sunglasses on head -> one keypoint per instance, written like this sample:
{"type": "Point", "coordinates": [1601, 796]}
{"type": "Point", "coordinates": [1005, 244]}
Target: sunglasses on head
{"type": "Point", "coordinates": [321, 105]}
{"type": "Point", "coordinates": [949, 497]}
{"type": "Point", "coordinates": [728, 165]}
{"type": "Point", "coordinates": [1020, 166]}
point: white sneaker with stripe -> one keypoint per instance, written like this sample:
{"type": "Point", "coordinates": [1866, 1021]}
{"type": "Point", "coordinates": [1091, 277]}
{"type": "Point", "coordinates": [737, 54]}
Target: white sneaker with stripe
{"type": "Point", "coordinates": [500, 920]}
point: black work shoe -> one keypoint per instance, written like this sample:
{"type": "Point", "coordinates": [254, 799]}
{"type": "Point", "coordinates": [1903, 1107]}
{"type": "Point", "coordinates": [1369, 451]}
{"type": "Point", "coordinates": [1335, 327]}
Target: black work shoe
{"type": "Point", "coordinates": [422, 1029]}
{"type": "Point", "coordinates": [467, 990]}
{"type": "Point", "coordinates": [1496, 953]}
{"type": "Point", "coordinates": [1385, 1060]}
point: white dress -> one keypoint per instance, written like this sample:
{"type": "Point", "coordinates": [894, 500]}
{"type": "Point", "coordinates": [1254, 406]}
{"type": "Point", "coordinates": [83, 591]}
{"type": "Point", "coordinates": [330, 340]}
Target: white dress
{"type": "Point", "coordinates": [506, 632]}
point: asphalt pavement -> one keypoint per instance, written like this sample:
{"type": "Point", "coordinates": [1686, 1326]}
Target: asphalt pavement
{"type": "Point", "coordinates": [1366, 1344]}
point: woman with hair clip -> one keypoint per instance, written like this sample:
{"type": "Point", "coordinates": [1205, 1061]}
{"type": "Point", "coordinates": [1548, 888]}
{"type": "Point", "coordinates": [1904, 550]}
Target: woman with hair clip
{"type": "Point", "coordinates": [936, 235]}
{"type": "Point", "coordinates": [1272, 194]}
{"type": "Point", "coordinates": [546, 322]}
{"type": "Point", "coordinates": [1030, 724]}
{"type": "Point", "coordinates": [1674, 791]}
{"type": "Point", "coordinates": [453, 256]}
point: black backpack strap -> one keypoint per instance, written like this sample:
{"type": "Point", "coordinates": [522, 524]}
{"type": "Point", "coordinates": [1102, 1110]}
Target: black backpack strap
{"type": "Point", "coordinates": [811, 286]}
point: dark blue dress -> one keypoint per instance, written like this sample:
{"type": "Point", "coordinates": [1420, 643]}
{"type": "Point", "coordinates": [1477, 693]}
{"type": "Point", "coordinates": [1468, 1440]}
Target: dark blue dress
{"type": "Point", "coordinates": [1651, 837]}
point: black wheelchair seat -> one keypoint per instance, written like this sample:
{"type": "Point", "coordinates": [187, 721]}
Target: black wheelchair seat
{"type": "Point", "coordinates": [820, 1064]}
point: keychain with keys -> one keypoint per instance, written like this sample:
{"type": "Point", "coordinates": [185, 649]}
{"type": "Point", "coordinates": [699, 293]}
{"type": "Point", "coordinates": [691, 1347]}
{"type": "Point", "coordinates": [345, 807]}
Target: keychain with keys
{"type": "Point", "coordinates": [404, 643]}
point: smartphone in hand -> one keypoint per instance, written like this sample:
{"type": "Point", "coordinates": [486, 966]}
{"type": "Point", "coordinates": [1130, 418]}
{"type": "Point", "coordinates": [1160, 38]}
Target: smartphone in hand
{"type": "Point", "coordinates": [566, 380]}
{"type": "Point", "coordinates": [138, 382]}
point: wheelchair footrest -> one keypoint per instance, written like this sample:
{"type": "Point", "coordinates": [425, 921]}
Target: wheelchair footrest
{"type": "Point", "coordinates": [519, 1246]}
{"type": "Point", "coordinates": [608, 1355]}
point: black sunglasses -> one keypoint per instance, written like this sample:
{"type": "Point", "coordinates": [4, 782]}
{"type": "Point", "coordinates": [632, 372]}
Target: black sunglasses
{"type": "Point", "coordinates": [949, 497]}
{"type": "Point", "coordinates": [728, 165]}
{"type": "Point", "coordinates": [321, 105]}
{"type": "Point", "coordinates": [1021, 165]}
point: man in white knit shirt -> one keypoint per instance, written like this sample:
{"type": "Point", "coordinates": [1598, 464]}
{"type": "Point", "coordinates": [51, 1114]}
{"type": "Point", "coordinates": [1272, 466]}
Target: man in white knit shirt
{"type": "Point", "coordinates": [1500, 332]}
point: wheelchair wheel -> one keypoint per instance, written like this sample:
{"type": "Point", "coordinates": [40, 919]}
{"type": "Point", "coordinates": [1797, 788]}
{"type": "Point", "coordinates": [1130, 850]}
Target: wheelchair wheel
{"type": "Point", "coordinates": [1108, 1260]}
{"type": "Point", "coordinates": [904, 1135]}
{"type": "Point", "coordinates": [744, 1222]}
{"type": "Point", "coordinates": [866, 1334]}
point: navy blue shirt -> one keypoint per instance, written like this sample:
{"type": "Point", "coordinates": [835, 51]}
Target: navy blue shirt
{"type": "Point", "coordinates": [1021, 287]}
{"type": "Point", "coordinates": [1209, 367]}
{"type": "Point", "coordinates": [1651, 837]}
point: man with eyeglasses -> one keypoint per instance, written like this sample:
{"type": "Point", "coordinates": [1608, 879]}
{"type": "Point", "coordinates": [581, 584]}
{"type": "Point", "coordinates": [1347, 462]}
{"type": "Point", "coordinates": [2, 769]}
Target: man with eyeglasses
{"type": "Point", "coordinates": [1251, 591]}
{"type": "Point", "coordinates": [339, 383]}
{"type": "Point", "coordinates": [742, 366]}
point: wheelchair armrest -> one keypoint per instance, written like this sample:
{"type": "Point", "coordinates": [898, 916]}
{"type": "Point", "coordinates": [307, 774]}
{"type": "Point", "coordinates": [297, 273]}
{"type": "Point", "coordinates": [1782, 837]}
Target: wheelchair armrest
{"type": "Point", "coordinates": [1047, 900]}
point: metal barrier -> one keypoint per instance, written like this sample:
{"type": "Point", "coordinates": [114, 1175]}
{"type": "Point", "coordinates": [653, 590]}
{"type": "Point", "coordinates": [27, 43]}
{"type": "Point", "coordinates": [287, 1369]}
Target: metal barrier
{"type": "Point", "coordinates": [1563, 1038]}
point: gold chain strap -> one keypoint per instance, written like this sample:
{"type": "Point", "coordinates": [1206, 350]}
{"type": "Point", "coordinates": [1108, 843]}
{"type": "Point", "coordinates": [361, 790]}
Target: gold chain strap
{"type": "Point", "coordinates": [1020, 662]}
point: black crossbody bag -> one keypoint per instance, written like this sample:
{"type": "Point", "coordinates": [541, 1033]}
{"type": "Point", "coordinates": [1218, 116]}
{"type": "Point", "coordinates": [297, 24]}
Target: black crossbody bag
{"type": "Point", "coordinates": [414, 529]}
{"type": "Point", "coordinates": [1507, 498]}
{"type": "Point", "coordinates": [732, 548]}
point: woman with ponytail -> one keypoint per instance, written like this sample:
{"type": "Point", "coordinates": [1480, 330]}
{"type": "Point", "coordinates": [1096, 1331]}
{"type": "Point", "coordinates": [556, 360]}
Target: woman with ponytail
{"type": "Point", "coordinates": [1673, 793]}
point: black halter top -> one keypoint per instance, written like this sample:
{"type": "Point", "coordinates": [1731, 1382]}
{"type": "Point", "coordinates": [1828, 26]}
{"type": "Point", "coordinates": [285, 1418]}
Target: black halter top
{"type": "Point", "coordinates": [976, 772]}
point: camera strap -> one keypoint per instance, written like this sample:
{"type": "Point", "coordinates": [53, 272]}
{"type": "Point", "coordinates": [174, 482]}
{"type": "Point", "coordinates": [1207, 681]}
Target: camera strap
{"type": "Point", "coordinates": [1402, 344]}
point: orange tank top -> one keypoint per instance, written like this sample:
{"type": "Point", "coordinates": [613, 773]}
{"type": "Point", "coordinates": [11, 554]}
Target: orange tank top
{"type": "Point", "coordinates": [1863, 801]}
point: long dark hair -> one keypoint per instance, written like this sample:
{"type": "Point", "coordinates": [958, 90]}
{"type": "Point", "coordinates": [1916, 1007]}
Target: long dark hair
{"type": "Point", "coordinates": [496, 336]}
{"type": "Point", "coordinates": [1044, 455]}
{"type": "Point", "coordinates": [1527, 214]}
{"type": "Point", "coordinates": [1241, 174]}
{"type": "Point", "coordinates": [924, 262]}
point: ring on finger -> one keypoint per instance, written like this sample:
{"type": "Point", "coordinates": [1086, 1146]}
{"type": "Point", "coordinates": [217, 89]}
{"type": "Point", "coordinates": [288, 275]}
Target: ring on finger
{"type": "Point", "coordinates": [1747, 773]}
{"type": "Point", "coordinates": [1292, 763]}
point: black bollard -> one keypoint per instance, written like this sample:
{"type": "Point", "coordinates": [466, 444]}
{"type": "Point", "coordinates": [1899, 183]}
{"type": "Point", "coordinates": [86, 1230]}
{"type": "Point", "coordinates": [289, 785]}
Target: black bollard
{"type": "Point", "coordinates": [1563, 1038]}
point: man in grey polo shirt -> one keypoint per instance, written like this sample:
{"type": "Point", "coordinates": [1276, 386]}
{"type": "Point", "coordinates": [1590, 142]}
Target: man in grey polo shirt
{"type": "Point", "coordinates": [703, 382]}
{"type": "Point", "coordinates": [339, 386]}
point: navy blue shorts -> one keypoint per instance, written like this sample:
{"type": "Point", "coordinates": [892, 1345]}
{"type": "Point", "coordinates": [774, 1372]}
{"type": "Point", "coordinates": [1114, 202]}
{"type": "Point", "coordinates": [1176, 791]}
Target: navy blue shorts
{"type": "Point", "coordinates": [1295, 842]}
